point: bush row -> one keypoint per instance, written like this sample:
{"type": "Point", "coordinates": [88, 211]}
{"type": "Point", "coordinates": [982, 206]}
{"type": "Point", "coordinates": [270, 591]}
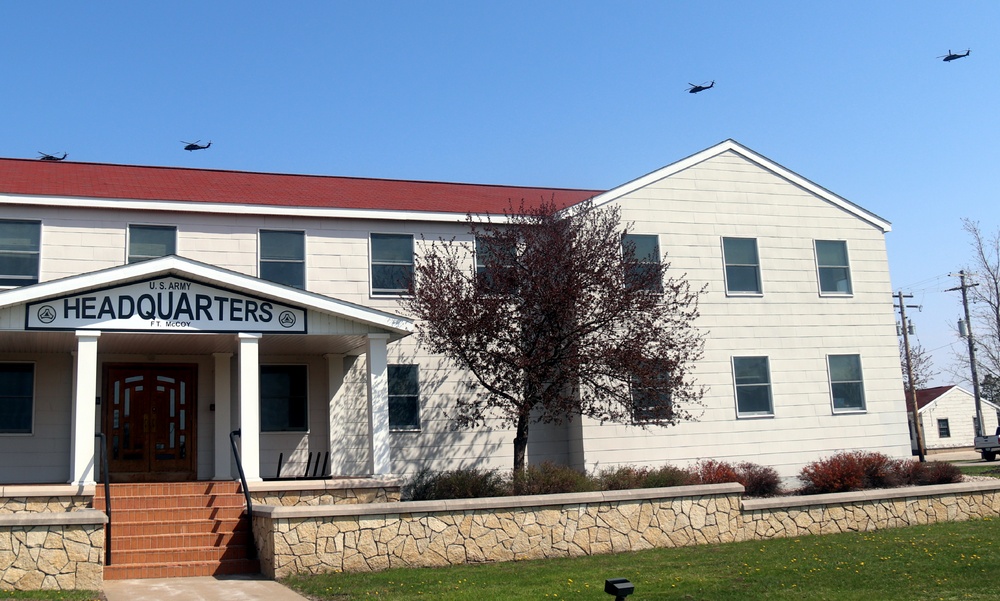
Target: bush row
{"type": "Point", "coordinates": [842, 472]}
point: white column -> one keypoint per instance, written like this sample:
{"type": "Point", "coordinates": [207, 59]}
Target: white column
{"type": "Point", "coordinates": [250, 405]}
{"type": "Point", "coordinates": [223, 416]}
{"type": "Point", "coordinates": [378, 403]}
{"type": "Point", "coordinates": [337, 416]}
{"type": "Point", "coordinates": [81, 459]}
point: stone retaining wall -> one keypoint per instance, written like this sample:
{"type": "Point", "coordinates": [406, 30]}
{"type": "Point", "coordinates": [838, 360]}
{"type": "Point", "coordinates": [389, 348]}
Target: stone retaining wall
{"type": "Point", "coordinates": [384, 535]}
{"type": "Point", "coordinates": [332, 491]}
{"type": "Point", "coordinates": [52, 551]}
{"type": "Point", "coordinates": [45, 499]}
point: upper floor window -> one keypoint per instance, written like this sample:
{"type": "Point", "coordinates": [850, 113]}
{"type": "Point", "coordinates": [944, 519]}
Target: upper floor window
{"type": "Point", "coordinates": [404, 397]}
{"type": "Point", "coordinates": [846, 382]}
{"type": "Point", "coordinates": [17, 394]}
{"type": "Point", "coordinates": [643, 267]}
{"type": "Point", "coordinates": [495, 262]}
{"type": "Point", "coordinates": [834, 269]}
{"type": "Point", "coordinates": [19, 252]}
{"type": "Point", "coordinates": [742, 265]}
{"type": "Point", "coordinates": [391, 263]}
{"type": "Point", "coordinates": [753, 386]}
{"type": "Point", "coordinates": [651, 401]}
{"type": "Point", "coordinates": [283, 257]}
{"type": "Point", "coordinates": [283, 398]}
{"type": "Point", "coordinates": [151, 241]}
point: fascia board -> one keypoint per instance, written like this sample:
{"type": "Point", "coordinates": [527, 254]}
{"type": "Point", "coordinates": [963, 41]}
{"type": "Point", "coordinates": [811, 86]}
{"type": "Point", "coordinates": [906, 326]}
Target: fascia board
{"type": "Point", "coordinates": [764, 162]}
{"type": "Point", "coordinates": [208, 274]}
{"type": "Point", "coordinates": [176, 206]}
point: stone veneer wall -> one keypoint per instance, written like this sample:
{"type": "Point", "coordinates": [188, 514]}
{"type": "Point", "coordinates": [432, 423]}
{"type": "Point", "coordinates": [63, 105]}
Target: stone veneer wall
{"type": "Point", "coordinates": [419, 534]}
{"type": "Point", "coordinates": [59, 551]}
{"type": "Point", "coordinates": [334, 491]}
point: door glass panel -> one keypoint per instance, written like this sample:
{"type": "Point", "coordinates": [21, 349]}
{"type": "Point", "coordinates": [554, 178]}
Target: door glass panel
{"type": "Point", "coordinates": [128, 401]}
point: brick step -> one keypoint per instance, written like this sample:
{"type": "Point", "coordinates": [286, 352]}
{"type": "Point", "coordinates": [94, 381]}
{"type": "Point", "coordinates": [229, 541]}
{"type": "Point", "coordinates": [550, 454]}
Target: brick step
{"type": "Point", "coordinates": [145, 516]}
{"type": "Point", "coordinates": [178, 556]}
{"type": "Point", "coordinates": [174, 570]}
{"type": "Point", "coordinates": [158, 502]}
{"type": "Point", "coordinates": [170, 488]}
{"type": "Point", "coordinates": [122, 529]}
{"type": "Point", "coordinates": [176, 540]}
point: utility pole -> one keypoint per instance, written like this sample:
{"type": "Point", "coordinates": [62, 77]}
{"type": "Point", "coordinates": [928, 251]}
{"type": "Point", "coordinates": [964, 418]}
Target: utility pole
{"type": "Point", "coordinates": [972, 348]}
{"type": "Point", "coordinates": [918, 428]}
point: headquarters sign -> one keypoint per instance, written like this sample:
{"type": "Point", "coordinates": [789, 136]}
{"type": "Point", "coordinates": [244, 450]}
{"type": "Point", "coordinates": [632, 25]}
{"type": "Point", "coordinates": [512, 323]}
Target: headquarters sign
{"type": "Point", "coordinates": [167, 304]}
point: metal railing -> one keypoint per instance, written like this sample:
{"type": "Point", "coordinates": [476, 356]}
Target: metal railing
{"type": "Point", "coordinates": [251, 544]}
{"type": "Point", "coordinates": [107, 496]}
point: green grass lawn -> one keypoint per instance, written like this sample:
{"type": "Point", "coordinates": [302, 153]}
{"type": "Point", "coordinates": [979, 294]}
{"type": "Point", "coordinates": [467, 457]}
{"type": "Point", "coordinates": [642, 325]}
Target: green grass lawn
{"type": "Point", "coordinates": [51, 595]}
{"type": "Point", "coordinates": [938, 562]}
{"type": "Point", "coordinates": [991, 469]}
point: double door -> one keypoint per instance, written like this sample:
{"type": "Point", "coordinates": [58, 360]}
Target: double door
{"type": "Point", "coordinates": [149, 421]}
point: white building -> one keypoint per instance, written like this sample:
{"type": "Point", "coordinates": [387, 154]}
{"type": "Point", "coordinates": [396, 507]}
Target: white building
{"type": "Point", "coordinates": [167, 307]}
{"type": "Point", "coordinates": [948, 418]}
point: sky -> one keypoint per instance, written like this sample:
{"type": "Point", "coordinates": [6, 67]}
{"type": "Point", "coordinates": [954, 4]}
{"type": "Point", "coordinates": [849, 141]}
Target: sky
{"type": "Point", "coordinates": [851, 95]}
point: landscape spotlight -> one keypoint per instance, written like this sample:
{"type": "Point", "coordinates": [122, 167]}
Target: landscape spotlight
{"type": "Point", "coordinates": [619, 587]}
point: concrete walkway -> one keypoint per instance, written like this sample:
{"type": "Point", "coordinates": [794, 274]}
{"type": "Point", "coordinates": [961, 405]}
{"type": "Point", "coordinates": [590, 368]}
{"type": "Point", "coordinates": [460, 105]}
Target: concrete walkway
{"type": "Point", "coordinates": [202, 588]}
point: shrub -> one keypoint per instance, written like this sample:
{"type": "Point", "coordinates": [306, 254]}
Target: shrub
{"type": "Point", "coordinates": [621, 478]}
{"type": "Point", "coordinates": [840, 473]}
{"type": "Point", "coordinates": [758, 480]}
{"type": "Point", "coordinates": [710, 471]}
{"type": "Point", "coordinates": [462, 483]}
{"type": "Point", "coordinates": [550, 478]}
{"type": "Point", "coordinates": [667, 475]}
{"type": "Point", "coordinates": [880, 470]}
{"type": "Point", "coordinates": [940, 472]}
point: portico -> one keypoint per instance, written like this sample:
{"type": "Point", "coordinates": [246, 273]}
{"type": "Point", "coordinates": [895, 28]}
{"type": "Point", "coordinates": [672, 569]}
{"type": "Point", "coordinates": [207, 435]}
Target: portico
{"type": "Point", "coordinates": [165, 357]}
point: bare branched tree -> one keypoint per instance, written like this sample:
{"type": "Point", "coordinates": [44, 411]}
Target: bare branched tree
{"type": "Point", "coordinates": [923, 369]}
{"type": "Point", "coordinates": [985, 296]}
{"type": "Point", "coordinates": [554, 317]}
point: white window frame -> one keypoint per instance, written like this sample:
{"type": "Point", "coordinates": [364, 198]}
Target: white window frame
{"type": "Point", "coordinates": [945, 431]}
{"type": "Point", "coordinates": [639, 261]}
{"type": "Point", "coordinates": [389, 292]}
{"type": "Point", "coordinates": [34, 398]}
{"type": "Point", "coordinates": [829, 378]}
{"type": "Point", "coordinates": [819, 270]}
{"type": "Point", "coordinates": [37, 253]}
{"type": "Point", "coordinates": [770, 388]}
{"type": "Point", "coordinates": [128, 240]}
{"type": "Point", "coordinates": [296, 431]}
{"type": "Point", "coordinates": [261, 260]}
{"type": "Point", "coordinates": [726, 264]}
{"type": "Point", "coordinates": [408, 427]}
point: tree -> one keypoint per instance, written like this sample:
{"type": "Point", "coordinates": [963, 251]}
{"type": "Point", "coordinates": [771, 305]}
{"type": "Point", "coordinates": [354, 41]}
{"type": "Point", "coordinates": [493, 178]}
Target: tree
{"type": "Point", "coordinates": [556, 315]}
{"type": "Point", "coordinates": [923, 370]}
{"type": "Point", "coordinates": [985, 296]}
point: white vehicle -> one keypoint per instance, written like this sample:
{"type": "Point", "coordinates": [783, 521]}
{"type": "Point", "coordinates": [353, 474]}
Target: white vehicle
{"type": "Point", "coordinates": [988, 447]}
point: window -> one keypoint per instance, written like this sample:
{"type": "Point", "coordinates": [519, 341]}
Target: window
{"type": "Point", "coordinates": [404, 397]}
{"type": "Point", "coordinates": [283, 398]}
{"type": "Point", "coordinates": [834, 270]}
{"type": "Point", "coordinates": [283, 257]}
{"type": "Point", "coordinates": [753, 386]}
{"type": "Point", "coordinates": [17, 393]}
{"type": "Point", "coordinates": [742, 265]}
{"type": "Point", "coordinates": [495, 266]}
{"type": "Point", "coordinates": [19, 244]}
{"type": "Point", "coordinates": [644, 267]}
{"type": "Point", "coordinates": [151, 241]}
{"type": "Point", "coordinates": [651, 402]}
{"type": "Point", "coordinates": [392, 263]}
{"type": "Point", "coordinates": [943, 430]}
{"type": "Point", "coordinates": [846, 383]}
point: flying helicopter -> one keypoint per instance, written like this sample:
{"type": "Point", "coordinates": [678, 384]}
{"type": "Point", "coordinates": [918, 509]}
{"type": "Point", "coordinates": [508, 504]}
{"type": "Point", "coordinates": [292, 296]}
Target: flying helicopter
{"type": "Point", "coordinates": [694, 89]}
{"type": "Point", "coordinates": [953, 56]}
{"type": "Point", "coordinates": [50, 157]}
{"type": "Point", "coordinates": [195, 145]}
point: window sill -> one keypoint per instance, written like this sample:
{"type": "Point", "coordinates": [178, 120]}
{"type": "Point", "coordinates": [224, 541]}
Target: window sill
{"type": "Point", "coordinates": [754, 416]}
{"type": "Point", "coordinates": [404, 430]}
{"type": "Point", "coordinates": [744, 294]}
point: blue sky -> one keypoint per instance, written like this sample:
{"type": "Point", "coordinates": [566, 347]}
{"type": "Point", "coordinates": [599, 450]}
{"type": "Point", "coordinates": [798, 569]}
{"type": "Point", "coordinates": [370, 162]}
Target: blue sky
{"type": "Point", "coordinates": [565, 94]}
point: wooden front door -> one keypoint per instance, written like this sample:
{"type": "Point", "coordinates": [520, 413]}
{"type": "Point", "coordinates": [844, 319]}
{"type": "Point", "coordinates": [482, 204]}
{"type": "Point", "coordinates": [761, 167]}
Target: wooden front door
{"type": "Point", "coordinates": [149, 420]}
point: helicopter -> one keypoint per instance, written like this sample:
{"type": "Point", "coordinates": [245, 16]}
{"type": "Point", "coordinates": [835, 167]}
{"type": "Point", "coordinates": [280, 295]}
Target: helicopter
{"type": "Point", "coordinates": [195, 145]}
{"type": "Point", "coordinates": [953, 56]}
{"type": "Point", "coordinates": [50, 157]}
{"type": "Point", "coordinates": [694, 89]}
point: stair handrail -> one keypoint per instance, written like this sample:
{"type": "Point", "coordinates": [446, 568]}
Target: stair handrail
{"type": "Point", "coordinates": [107, 496]}
{"type": "Point", "coordinates": [251, 544]}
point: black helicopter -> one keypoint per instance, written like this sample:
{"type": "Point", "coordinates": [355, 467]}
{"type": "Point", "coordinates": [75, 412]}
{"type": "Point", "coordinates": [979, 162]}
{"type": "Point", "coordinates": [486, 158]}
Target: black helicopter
{"type": "Point", "coordinates": [694, 89]}
{"type": "Point", "coordinates": [953, 56]}
{"type": "Point", "coordinates": [50, 157]}
{"type": "Point", "coordinates": [195, 145]}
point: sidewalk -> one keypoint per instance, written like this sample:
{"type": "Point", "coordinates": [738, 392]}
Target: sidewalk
{"type": "Point", "coordinates": [202, 588]}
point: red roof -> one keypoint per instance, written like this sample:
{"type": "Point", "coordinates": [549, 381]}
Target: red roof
{"type": "Point", "coordinates": [926, 396]}
{"type": "Point", "coordinates": [98, 180]}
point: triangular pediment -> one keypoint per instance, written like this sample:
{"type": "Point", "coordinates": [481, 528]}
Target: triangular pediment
{"type": "Point", "coordinates": [181, 291]}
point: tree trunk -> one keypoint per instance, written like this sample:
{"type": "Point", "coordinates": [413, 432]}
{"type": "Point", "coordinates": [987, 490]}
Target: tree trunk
{"type": "Point", "coordinates": [520, 443]}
